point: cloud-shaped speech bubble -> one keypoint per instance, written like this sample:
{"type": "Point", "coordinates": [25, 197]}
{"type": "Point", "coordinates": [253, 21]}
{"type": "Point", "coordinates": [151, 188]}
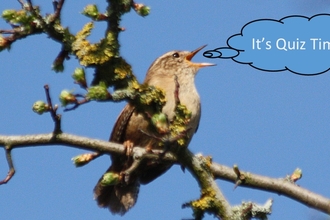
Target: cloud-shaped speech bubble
{"type": "Point", "coordinates": [295, 43]}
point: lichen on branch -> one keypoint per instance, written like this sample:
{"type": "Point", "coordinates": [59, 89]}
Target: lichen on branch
{"type": "Point", "coordinates": [93, 54]}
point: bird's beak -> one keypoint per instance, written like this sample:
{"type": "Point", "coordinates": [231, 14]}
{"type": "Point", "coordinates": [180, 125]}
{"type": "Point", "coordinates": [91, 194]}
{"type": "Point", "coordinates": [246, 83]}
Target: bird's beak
{"type": "Point", "coordinates": [193, 53]}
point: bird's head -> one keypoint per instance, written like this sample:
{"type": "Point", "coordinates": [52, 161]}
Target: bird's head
{"type": "Point", "coordinates": [176, 62]}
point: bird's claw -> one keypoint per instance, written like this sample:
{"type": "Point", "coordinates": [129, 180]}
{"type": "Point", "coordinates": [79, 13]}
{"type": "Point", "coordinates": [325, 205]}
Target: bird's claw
{"type": "Point", "coordinates": [129, 147]}
{"type": "Point", "coordinates": [124, 177]}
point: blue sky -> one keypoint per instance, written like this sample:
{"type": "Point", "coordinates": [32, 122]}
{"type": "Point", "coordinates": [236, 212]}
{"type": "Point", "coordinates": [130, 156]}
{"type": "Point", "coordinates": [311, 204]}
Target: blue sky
{"type": "Point", "coordinates": [268, 123]}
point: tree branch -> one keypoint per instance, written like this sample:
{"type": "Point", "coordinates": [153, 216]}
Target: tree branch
{"type": "Point", "coordinates": [58, 8]}
{"type": "Point", "coordinates": [212, 200]}
{"type": "Point", "coordinates": [280, 186]}
{"type": "Point", "coordinates": [276, 185]}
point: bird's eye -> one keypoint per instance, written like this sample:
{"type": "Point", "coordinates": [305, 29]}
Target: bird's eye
{"type": "Point", "coordinates": [176, 55]}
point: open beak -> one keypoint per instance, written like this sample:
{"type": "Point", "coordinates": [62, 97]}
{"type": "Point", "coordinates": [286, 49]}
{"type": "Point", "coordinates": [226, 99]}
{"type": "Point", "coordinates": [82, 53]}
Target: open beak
{"type": "Point", "coordinates": [193, 53]}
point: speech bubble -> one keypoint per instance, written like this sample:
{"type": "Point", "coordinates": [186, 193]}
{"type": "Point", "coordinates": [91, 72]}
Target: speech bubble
{"type": "Point", "coordinates": [296, 43]}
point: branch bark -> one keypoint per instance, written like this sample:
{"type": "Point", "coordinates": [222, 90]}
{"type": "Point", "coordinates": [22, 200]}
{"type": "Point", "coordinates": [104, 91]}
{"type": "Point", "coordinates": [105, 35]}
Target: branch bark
{"type": "Point", "coordinates": [276, 185]}
{"type": "Point", "coordinates": [280, 186]}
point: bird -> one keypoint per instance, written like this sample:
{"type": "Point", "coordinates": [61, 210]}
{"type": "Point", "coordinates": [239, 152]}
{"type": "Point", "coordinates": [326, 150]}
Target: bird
{"type": "Point", "coordinates": [168, 72]}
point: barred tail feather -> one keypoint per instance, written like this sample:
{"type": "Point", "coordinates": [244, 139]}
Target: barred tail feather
{"type": "Point", "coordinates": [118, 198]}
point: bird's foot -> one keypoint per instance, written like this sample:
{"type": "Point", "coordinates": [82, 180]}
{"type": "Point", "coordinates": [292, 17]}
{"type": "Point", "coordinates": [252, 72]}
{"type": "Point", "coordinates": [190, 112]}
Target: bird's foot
{"type": "Point", "coordinates": [129, 147]}
{"type": "Point", "coordinates": [149, 149]}
{"type": "Point", "coordinates": [124, 177]}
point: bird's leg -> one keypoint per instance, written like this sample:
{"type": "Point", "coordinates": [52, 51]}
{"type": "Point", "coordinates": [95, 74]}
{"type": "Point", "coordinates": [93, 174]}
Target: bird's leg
{"type": "Point", "coordinates": [149, 148]}
{"type": "Point", "coordinates": [153, 136]}
{"type": "Point", "coordinates": [129, 147]}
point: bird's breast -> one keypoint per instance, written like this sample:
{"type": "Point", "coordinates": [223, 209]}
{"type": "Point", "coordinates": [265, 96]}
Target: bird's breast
{"type": "Point", "coordinates": [188, 96]}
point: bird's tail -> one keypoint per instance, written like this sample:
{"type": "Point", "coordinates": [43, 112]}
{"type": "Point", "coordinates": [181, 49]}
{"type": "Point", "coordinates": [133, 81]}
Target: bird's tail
{"type": "Point", "coordinates": [118, 198]}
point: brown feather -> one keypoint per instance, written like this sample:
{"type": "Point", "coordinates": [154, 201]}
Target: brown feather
{"type": "Point", "coordinates": [163, 73]}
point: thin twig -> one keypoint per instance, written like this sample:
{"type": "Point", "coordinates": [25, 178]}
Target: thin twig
{"type": "Point", "coordinates": [11, 171]}
{"type": "Point", "coordinates": [21, 2]}
{"type": "Point", "coordinates": [77, 104]}
{"type": "Point", "coordinates": [30, 4]}
{"type": "Point", "coordinates": [58, 9]}
{"type": "Point", "coordinates": [35, 13]}
{"type": "Point", "coordinates": [55, 3]}
{"type": "Point", "coordinates": [132, 168]}
{"type": "Point", "coordinates": [52, 109]}
{"type": "Point", "coordinates": [13, 31]}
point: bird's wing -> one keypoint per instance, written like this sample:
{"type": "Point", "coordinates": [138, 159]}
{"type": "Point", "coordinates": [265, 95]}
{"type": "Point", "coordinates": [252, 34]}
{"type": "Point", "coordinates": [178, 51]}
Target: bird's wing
{"type": "Point", "coordinates": [118, 131]}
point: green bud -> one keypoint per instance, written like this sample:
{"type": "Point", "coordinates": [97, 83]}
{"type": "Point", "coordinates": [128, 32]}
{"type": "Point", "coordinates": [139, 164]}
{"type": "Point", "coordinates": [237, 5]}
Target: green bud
{"type": "Point", "coordinates": [66, 97]}
{"type": "Point", "coordinates": [98, 92]}
{"type": "Point", "coordinates": [296, 175]}
{"type": "Point", "coordinates": [83, 159]}
{"type": "Point", "coordinates": [110, 178]}
{"type": "Point", "coordinates": [126, 5]}
{"type": "Point", "coordinates": [40, 107]}
{"type": "Point", "coordinates": [91, 11]}
{"type": "Point", "coordinates": [58, 64]}
{"type": "Point", "coordinates": [79, 76]}
{"type": "Point", "coordinates": [58, 67]}
{"type": "Point", "coordinates": [142, 9]}
{"type": "Point", "coordinates": [160, 122]}
{"type": "Point", "coordinates": [8, 14]}
{"type": "Point", "coordinates": [17, 17]}
{"type": "Point", "coordinates": [20, 17]}
{"type": "Point", "coordinates": [3, 43]}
